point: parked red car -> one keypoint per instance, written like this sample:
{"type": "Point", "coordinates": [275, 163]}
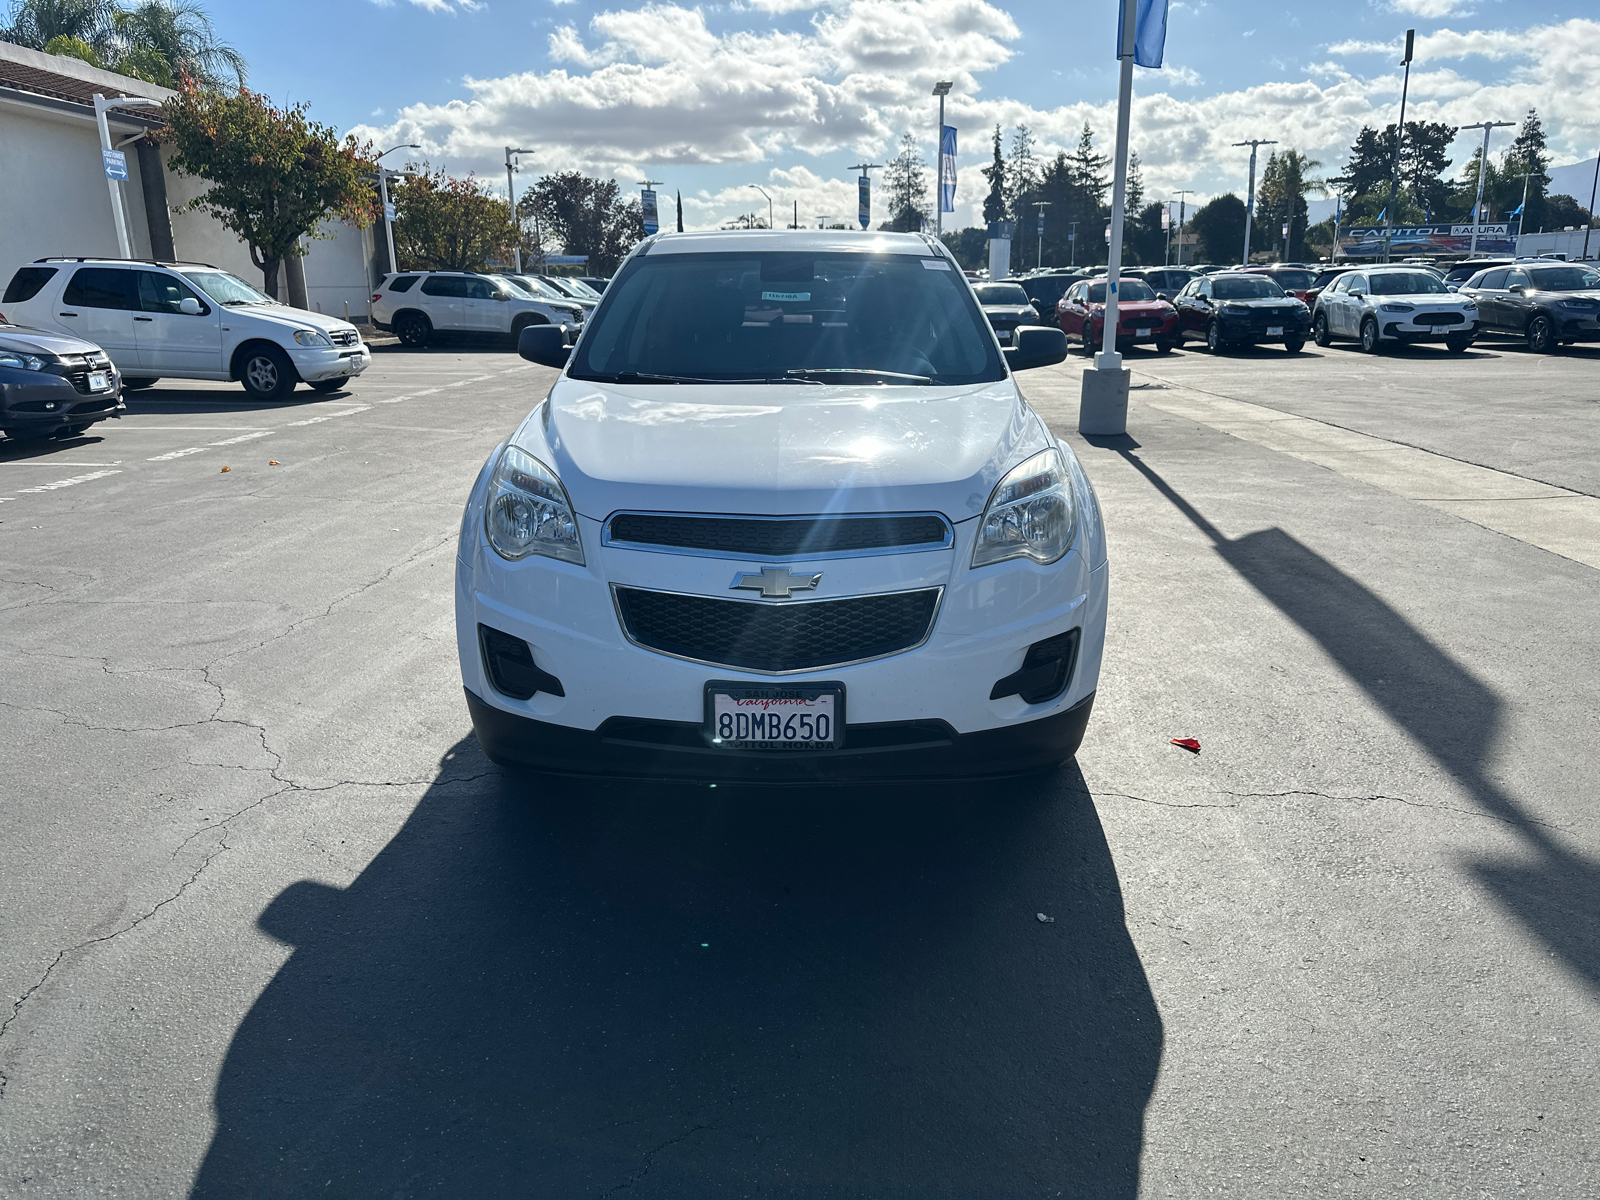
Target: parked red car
{"type": "Point", "coordinates": [1142, 316]}
{"type": "Point", "coordinates": [1297, 281]}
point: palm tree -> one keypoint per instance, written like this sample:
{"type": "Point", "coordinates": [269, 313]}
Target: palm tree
{"type": "Point", "coordinates": [37, 23]}
{"type": "Point", "coordinates": [163, 40]}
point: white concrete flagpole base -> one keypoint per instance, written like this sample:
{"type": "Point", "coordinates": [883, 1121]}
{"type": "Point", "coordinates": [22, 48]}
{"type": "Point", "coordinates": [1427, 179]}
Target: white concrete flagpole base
{"type": "Point", "coordinates": [1103, 405]}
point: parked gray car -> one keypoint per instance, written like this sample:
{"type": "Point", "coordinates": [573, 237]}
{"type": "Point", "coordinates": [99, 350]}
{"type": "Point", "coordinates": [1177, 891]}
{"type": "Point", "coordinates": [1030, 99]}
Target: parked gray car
{"type": "Point", "coordinates": [53, 385]}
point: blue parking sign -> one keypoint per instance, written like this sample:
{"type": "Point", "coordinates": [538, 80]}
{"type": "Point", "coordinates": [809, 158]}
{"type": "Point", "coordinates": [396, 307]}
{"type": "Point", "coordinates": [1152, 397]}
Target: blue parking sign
{"type": "Point", "coordinates": [116, 164]}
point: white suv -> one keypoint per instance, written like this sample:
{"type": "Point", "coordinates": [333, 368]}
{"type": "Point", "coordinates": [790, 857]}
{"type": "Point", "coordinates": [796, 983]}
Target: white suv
{"type": "Point", "coordinates": [186, 321]}
{"type": "Point", "coordinates": [783, 515]}
{"type": "Point", "coordinates": [418, 304]}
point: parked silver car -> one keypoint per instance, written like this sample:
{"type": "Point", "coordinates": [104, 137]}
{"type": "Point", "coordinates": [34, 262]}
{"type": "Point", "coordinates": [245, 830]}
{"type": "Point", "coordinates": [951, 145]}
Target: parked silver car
{"type": "Point", "coordinates": [1393, 305]}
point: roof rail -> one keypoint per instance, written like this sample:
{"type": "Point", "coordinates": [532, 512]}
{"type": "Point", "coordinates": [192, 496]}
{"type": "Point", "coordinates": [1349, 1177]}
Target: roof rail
{"type": "Point", "coordinates": [157, 262]}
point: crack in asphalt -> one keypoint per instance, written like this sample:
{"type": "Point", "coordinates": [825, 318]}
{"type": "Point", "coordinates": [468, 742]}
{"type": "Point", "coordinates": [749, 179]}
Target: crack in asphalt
{"type": "Point", "coordinates": [649, 1157]}
{"type": "Point", "coordinates": [17, 1005]}
{"type": "Point", "coordinates": [1374, 798]}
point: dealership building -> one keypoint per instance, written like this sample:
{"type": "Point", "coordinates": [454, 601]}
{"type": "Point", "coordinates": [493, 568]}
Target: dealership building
{"type": "Point", "coordinates": [55, 200]}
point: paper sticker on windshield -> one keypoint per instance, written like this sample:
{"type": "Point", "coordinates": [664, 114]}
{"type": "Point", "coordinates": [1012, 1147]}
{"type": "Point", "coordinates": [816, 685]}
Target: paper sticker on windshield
{"type": "Point", "coordinates": [935, 264]}
{"type": "Point", "coordinates": [782, 297]}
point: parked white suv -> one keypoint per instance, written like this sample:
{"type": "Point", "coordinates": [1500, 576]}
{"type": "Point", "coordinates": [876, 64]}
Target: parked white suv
{"type": "Point", "coordinates": [418, 304]}
{"type": "Point", "coordinates": [186, 321]}
{"type": "Point", "coordinates": [784, 515]}
{"type": "Point", "coordinates": [1393, 305]}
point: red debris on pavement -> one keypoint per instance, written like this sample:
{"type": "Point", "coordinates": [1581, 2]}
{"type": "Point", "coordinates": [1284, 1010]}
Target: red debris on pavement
{"type": "Point", "coordinates": [1192, 745]}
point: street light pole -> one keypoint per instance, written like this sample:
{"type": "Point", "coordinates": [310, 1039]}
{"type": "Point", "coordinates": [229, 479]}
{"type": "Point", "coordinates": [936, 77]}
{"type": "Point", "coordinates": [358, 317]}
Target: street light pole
{"type": "Point", "coordinates": [1041, 205]}
{"type": "Point", "coordinates": [1183, 197]}
{"type": "Point", "coordinates": [941, 90]}
{"type": "Point", "coordinates": [1593, 189]}
{"type": "Point", "coordinates": [865, 219]}
{"type": "Point", "coordinates": [511, 195]}
{"type": "Point", "coordinates": [1483, 164]}
{"type": "Point", "coordinates": [1250, 205]}
{"type": "Point", "coordinates": [101, 104]}
{"type": "Point", "coordinates": [383, 194]}
{"type": "Point", "coordinates": [1399, 137]}
{"type": "Point", "coordinates": [763, 191]}
{"type": "Point", "coordinates": [1072, 245]}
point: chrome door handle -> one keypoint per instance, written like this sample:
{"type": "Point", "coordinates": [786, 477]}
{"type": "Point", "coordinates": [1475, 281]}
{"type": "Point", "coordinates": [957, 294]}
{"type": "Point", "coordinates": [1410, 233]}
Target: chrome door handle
{"type": "Point", "coordinates": [67, 314]}
{"type": "Point", "coordinates": [143, 318]}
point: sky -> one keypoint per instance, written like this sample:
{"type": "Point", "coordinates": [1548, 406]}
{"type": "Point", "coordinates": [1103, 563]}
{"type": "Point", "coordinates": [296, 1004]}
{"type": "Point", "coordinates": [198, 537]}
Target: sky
{"type": "Point", "coordinates": [787, 94]}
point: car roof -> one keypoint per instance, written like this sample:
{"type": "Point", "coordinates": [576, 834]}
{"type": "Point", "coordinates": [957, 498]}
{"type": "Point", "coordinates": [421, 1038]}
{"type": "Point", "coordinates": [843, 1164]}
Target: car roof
{"type": "Point", "coordinates": [172, 263]}
{"type": "Point", "coordinates": [815, 241]}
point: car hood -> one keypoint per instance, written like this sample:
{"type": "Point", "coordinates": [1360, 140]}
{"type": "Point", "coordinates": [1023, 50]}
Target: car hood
{"type": "Point", "coordinates": [1008, 310]}
{"type": "Point", "coordinates": [1449, 299]}
{"type": "Point", "coordinates": [1134, 306]}
{"type": "Point", "coordinates": [38, 341]}
{"type": "Point", "coordinates": [781, 449]}
{"type": "Point", "coordinates": [292, 318]}
{"type": "Point", "coordinates": [1259, 302]}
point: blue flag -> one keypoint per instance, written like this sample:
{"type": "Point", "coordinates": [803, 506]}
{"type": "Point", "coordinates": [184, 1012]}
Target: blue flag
{"type": "Point", "coordinates": [947, 168]}
{"type": "Point", "coordinates": [1517, 212]}
{"type": "Point", "coordinates": [1149, 31]}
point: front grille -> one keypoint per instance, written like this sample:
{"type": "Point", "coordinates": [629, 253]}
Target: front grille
{"type": "Point", "coordinates": [786, 537]}
{"type": "Point", "coordinates": [1438, 318]}
{"type": "Point", "coordinates": [760, 636]}
{"type": "Point", "coordinates": [80, 380]}
{"type": "Point", "coordinates": [345, 337]}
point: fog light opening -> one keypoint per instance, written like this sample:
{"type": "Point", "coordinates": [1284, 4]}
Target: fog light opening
{"type": "Point", "coordinates": [508, 661]}
{"type": "Point", "coordinates": [1046, 670]}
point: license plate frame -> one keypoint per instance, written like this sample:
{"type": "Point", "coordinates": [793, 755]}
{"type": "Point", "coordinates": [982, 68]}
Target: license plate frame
{"type": "Point", "coordinates": [99, 381]}
{"type": "Point", "coordinates": [775, 694]}
{"type": "Point", "coordinates": [1274, 330]}
{"type": "Point", "coordinates": [1144, 331]}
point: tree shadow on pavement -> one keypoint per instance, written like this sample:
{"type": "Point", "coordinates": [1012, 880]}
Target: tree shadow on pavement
{"type": "Point", "coordinates": [544, 988]}
{"type": "Point", "coordinates": [1451, 715]}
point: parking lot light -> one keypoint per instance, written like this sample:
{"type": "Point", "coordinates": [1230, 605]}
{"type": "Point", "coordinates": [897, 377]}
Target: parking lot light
{"type": "Point", "coordinates": [101, 104]}
{"type": "Point", "coordinates": [383, 195]}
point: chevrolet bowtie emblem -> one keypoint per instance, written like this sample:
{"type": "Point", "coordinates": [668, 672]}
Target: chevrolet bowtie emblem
{"type": "Point", "coordinates": [775, 583]}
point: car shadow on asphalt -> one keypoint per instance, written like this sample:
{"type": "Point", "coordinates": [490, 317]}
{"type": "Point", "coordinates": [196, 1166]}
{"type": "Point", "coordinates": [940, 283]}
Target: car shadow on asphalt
{"type": "Point", "coordinates": [546, 988]}
{"type": "Point", "coordinates": [1450, 713]}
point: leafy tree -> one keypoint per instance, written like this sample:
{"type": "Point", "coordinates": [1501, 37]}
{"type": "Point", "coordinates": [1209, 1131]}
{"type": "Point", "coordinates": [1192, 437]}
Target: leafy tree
{"type": "Point", "coordinates": [447, 224]}
{"type": "Point", "coordinates": [907, 185]}
{"type": "Point", "coordinates": [1367, 177]}
{"type": "Point", "coordinates": [275, 175]}
{"type": "Point", "coordinates": [994, 204]}
{"type": "Point", "coordinates": [1219, 227]}
{"type": "Point", "coordinates": [1144, 242]}
{"type": "Point", "coordinates": [970, 247]}
{"type": "Point", "coordinates": [1561, 211]}
{"type": "Point", "coordinates": [1424, 158]}
{"type": "Point", "coordinates": [159, 41]}
{"type": "Point", "coordinates": [1282, 197]}
{"type": "Point", "coordinates": [586, 216]}
{"type": "Point", "coordinates": [1068, 204]}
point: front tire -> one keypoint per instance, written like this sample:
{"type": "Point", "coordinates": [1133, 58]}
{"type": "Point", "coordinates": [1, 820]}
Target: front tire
{"type": "Point", "coordinates": [1214, 341]}
{"type": "Point", "coordinates": [267, 374]}
{"type": "Point", "coordinates": [1087, 334]}
{"type": "Point", "coordinates": [1294, 345]}
{"type": "Point", "coordinates": [1370, 344]}
{"type": "Point", "coordinates": [137, 385]}
{"type": "Point", "coordinates": [413, 330]}
{"type": "Point", "coordinates": [328, 385]}
{"type": "Point", "coordinates": [1320, 332]}
{"type": "Point", "coordinates": [1458, 345]}
{"type": "Point", "coordinates": [1542, 336]}
{"type": "Point", "coordinates": [1164, 346]}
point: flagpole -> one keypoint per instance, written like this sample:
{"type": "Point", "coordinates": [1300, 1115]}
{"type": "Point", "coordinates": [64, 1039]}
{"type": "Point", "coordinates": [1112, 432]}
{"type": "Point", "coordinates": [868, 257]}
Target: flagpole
{"type": "Point", "coordinates": [1109, 359]}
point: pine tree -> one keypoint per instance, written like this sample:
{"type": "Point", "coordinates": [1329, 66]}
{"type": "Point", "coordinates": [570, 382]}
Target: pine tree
{"type": "Point", "coordinates": [1133, 195]}
{"type": "Point", "coordinates": [1022, 173]}
{"type": "Point", "coordinates": [1528, 154]}
{"type": "Point", "coordinates": [994, 204]}
{"type": "Point", "coordinates": [907, 184]}
{"type": "Point", "coordinates": [1089, 170]}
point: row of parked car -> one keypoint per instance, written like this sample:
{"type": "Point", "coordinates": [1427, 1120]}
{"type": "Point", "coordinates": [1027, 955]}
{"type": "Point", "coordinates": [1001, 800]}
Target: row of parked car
{"type": "Point", "coordinates": [1547, 304]}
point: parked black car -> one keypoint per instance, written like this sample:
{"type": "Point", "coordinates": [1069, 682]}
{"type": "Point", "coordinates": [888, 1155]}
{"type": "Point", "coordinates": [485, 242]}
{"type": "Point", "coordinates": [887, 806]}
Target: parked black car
{"type": "Point", "coordinates": [1463, 271]}
{"type": "Point", "coordinates": [1324, 277]}
{"type": "Point", "coordinates": [1232, 308]}
{"type": "Point", "coordinates": [1007, 306]}
{"type": "Point", "coordinates": [1546, 306]}
{"type": "Point", "coordinates": [52, 385]}
{"type": "Point", "coordinates": [1165, 282]}
{"type": "Point", "coordinates": [1045, 292]}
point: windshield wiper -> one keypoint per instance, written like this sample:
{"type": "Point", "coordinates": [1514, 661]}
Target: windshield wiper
{"type": "Point", "coordinates": [809, 372]}
{"type": "Point", "coordinates": [646, 377]}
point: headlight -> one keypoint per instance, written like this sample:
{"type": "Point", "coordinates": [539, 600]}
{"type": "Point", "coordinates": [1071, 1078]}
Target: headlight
{"type": "Point", "coordinates": [528, 512]}
{"type": "Point", "coordinates": [1579, 304]}
{"type": "Point", "coordinates": [1235, 310]}
{"type": "Point", "coordinates": [23, 362]}
{"type": "Point", "coordinates": [1032, 514]}
{"type": "Point", "coordinates": [312, 337]}
{"type": "Point", "coordinates": [1396, 307]}
{"type": "Point", "coordinates": [1468, 306]}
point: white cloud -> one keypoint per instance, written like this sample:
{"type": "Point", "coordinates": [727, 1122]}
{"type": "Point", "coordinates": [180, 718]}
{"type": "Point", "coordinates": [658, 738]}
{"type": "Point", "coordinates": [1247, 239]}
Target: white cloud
{"type": "Point", "coordinates": [1433, 10]}
{"type": "Point", "coordinates": [642, 90]}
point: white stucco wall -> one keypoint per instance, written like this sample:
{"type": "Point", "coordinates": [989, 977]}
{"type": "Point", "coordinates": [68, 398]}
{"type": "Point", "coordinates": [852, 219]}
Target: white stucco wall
{"type": "Point", "coordinates": [337, 272]}
{"type": "Point", "coordinates": [53, 194]}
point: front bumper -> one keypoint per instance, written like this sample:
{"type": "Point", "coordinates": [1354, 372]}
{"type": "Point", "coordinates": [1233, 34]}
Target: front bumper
{"type": "Point", "coordinates": [904, 751]}
{"type": "Point", "coordinates": [39, 402]}
{"type": "Point", "coordinates": [316, 363]}
{"type": "Point", "coordinates": [1401, 328]}
{"type": "Point", "coordinates": [1242, 330]}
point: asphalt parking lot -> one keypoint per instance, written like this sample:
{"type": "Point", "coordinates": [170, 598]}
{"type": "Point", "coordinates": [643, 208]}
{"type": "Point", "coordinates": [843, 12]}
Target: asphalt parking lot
{"type": "Point", "coordinates": [270, 924]}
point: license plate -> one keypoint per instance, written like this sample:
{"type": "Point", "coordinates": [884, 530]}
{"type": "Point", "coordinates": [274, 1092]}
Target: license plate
{"type": "Point", "coordinates": [1146, 332]}
{"type": "Point", "coordinates": [1274, 330]}
{"type": "Point", "coordinates": [99, 381]}
{"type": "Point", "coordinates": [775, 716]}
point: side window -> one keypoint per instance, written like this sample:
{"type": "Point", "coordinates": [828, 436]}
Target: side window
{"type": "Point", "coordinates": [164, 293]}
{"type": "Point", "coordinates": [1517, 278]}
{"type": "Point", "coordinates": [1357, 283]}
{"type": "Point", "coordinates": [101, 287]}
{"type": "Point", "coordinates": [25, 284]}
{"type": "Point", "coordinates": [1494, 280]}
{"type": "Point", "coordinates": [477, 289]}
{"type": "Point", "coordinates": [1338, 284]}
{"type": "Point", "coordinates": [402, 283]}
{"type": "Point", "coordinates": [1075, 296]}
{"type": "Point", "coordinates": [443, 285]}
{"type": "Point", "coordinates": [1204, 291]}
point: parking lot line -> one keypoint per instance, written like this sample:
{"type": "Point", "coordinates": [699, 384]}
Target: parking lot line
{"type": "Point", "coordinates": [1560, 521]}
{"type": "Point", "coordinates": [63, 483]}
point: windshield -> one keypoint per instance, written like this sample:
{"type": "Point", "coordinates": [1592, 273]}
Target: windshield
{"type": "Point", "coordinates": [1406, 283]}
{"type": "Point", "coordinates": [582, 289]}
{"type": "Point", "coordinates": [562, 286]}
{"type": "Point", "coordinates": [1245, 287]}
{"type": "Point", "coordinates": [751, 317]}
{"type": "Point", "coordinates": [225, 288]}
{"type": "Point", "coordinates": [1130, 291]}
{"type": "Point", "coordinates": [1565, 279]}
{"type": "Point", "coordinates": [535, 287]}
{"type": "Point", "coordinates": [1001, 293]}
{"type": "Point", "coordinates": [1293, 280]}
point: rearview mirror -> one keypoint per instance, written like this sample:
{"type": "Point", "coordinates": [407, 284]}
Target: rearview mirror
{"type": "Point", "coordinates": [189, 306]}
{"type": "Point", "coordinates": [1036, 346]}
{"type": "Point", "coordinates": [545, 345]}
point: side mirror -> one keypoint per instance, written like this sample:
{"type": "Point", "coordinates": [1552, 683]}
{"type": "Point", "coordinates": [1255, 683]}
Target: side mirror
{"type": "Point", "coordinates": [189, 306]}
{"type": "Point", "coordinates": [1516, 289]}
{"type": "Point", "coordinates": [547, 345]}
{"type": "Point", "coordinates": [1037, 346]}
{"type": "Point", "coordinates": [502, 295]}
{"type": "Point", "coordinates": [1357, 292]}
